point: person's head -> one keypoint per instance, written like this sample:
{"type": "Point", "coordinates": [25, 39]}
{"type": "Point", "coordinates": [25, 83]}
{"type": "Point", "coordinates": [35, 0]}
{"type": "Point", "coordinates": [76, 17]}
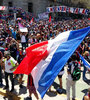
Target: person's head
{"type": "Point", "coordinates": [86, 53]}
{"type": "Point", "coordinates": [7, 54]}
{"type": "Point", "coordinates": [23, 33]}
{"type": "Point", "coordinates": [20, 52]}
{"type": "Point", "coordinates": [74, 57]}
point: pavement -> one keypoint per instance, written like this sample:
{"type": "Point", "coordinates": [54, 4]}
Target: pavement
{"type": "Point", "coordinates": [22, 94]}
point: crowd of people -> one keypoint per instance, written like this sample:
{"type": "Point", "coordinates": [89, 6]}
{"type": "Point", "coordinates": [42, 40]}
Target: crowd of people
{"type": "Point", "coordinates": [13, 43]}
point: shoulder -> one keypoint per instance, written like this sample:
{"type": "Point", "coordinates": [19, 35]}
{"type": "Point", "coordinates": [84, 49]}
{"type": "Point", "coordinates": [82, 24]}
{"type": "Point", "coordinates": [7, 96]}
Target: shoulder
{"type": "Point", "coordinates": [12, 59]}
{"type": "Point", "coordinates": [4, 59]}
{"type": "Point", "coordinates": [69, 66]}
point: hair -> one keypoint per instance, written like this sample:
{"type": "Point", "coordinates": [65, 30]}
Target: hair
{"type": "Point", "coordinates": [7, 53]}
{"type": "Point", "coordinates": [85, 53]}
{"type": "Point", "coordinates": [74, 57]}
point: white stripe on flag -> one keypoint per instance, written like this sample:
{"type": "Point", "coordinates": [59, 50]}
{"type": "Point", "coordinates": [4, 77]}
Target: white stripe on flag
{"type": "Point", "coordinates": [52, 46]}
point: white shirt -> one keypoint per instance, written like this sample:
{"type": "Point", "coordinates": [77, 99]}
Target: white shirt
{"type": "Point", "coordinates": [23, 39]}
{"type": "Point", "coordinates": [8, 65]}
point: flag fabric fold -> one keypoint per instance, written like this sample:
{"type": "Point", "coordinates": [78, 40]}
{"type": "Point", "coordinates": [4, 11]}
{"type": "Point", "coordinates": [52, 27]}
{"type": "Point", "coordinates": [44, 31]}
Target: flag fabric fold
{"type": "Point", "coordinates": [34, 54]}
{"type": "Point", "coordinates": [45, 60]}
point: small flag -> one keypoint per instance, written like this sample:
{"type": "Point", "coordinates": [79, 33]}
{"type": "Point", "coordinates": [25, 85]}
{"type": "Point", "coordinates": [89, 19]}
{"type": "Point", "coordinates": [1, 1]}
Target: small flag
{"type": "Point", "coordinates": [88, 18]}
{"type": "Point", "coordinates": [64, 9]}
{"type": "Point", "coordinates": [49, 19]}
{"type": "Point", "coordinates": [22, 28]}
{"type": "Point", "coordinates": [76, 10]}
{"type": "Point", "coordinates": [31, 21]}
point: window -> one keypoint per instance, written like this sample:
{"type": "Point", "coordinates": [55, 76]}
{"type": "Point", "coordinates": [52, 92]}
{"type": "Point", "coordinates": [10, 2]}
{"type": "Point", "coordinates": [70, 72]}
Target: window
{"type": "Point", "coordinates": [1, 2]}
{"type": "Point", "coordinates": [30, 7]}
{"type": "Point", "coordinates": [10, 4]}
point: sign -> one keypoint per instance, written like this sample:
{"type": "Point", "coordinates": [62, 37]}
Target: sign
{"type": "Point", "coordinates": [43, 15]}
{"type": "Point", "coordinates": [2, 7]}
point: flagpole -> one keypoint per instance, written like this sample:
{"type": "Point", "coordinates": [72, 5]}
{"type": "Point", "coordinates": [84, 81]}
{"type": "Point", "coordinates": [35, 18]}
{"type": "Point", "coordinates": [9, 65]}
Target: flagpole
{"type": "Point", "coordinates": [14, 17]}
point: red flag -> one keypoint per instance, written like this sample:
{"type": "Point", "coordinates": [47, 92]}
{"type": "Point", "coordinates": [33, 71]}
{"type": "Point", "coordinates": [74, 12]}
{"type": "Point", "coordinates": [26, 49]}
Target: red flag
{"type": "Point", "coordinates": [76, 11]}
{"type": "Point", "coordinates": [60, 8]}
{"type": "Point", "coordinates": [83, 12]}
{"type": "Point", "coordinates": [88, 18]}
{"type": "Point", "coordinates": [49, 19]}
{"type": "Point", "coordinates": [34, 54]}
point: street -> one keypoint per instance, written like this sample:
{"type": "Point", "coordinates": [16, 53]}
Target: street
{"type": "Point", "coordinates": [22, 94]}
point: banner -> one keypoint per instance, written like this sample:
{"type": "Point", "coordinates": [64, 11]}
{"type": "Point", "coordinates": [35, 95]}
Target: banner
{"type": "Point", "coordinates": [24, 14]}
{"type": "Point", "coordinates": [43, 15]}
{"type": "Point", "coordinates": [67, 9]}
{"type": "Point", "coordinates": [3, 7]}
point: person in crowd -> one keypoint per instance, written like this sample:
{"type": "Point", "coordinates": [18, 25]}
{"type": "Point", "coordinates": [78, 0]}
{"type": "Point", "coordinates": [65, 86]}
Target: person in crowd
{"type": "Point", "coordinates": [31, 87]}
{"type": "Point", "coordinates": [2, 49]}
{"type": "Point", "coordinates": [1, 56]}
{"type": "Point", "coordinates": [18, 38]}
{"type": "Point", "coordinates": [13, 31]}
{"type": "Point", "coordinates": [23, 41]}
{"type": "Point", "coordinates": [60, 80]}
{"type": "Point", "coordinates": [60, 77]}
{"type": "Point", "coordinates": [13, 47]}
{"type": "Point", "coordinates": [27, 39]}
{"type": "Point", "coordinates": [38, 31]}
{"type": "Point", "coordinates": [69, 80]}
{"type": "Point", "coordinates": [86, 56]}
{"type": "Point", "coordinates": [10, 66]}
{"type": "Point", "coordinates": [20, 58]}
{"type": "Point", "coordinates": [87, 96]}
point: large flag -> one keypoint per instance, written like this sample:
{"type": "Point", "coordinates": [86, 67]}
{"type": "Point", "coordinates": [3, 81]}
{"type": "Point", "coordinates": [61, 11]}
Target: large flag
{"type": "Point", "coordinates": [46, 59]}
{"type": "Point", "coordinates": [85, 62]}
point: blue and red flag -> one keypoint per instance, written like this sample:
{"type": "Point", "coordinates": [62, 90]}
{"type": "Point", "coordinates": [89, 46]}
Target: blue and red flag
{"type": "Point", "coordinates": [46, 59]}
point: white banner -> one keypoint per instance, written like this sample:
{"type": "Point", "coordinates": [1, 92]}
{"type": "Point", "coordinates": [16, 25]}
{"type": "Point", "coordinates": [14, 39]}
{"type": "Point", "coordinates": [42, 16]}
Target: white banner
{"type": "Point", "coordinates": [3, 8]}
{"type": "Point", "coordinates": [43, 16]}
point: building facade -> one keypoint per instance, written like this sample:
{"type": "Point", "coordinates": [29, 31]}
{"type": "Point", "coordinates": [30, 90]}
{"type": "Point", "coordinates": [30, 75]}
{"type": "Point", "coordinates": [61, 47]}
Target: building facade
{"type": "Point", "coordinates": [32, 6]}
{"type": "Point", "coordinates": [39, 6]}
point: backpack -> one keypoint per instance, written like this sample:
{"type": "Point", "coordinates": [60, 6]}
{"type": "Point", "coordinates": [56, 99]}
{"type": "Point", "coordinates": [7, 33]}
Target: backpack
{"type": "Point", "coordinates": [76, 74]}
